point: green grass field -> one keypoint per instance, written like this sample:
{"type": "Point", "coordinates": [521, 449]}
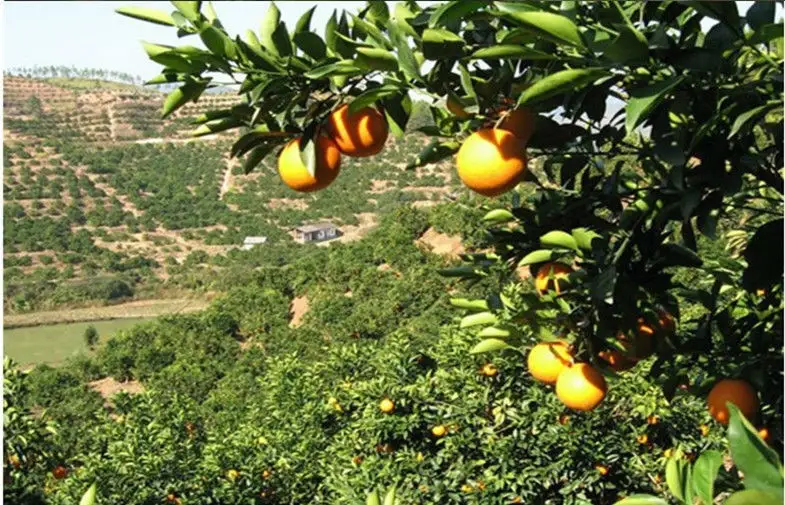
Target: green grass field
{"type": "Point", "coordinates": [55, 343]}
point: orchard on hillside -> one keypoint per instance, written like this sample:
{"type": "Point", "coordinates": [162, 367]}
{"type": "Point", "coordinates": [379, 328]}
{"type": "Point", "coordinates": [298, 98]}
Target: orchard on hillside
{"type": "Point", "coordinates": [650, 129]}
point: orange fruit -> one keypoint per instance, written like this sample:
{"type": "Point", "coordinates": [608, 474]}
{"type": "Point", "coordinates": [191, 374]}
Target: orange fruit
{"type": "Point", "coordinates": [642, 439]}
{"type": "Point", "coordinates": [457, 109]}
{"type": "Point", "coordinates": [737, 391]}
{"type": "Point", "coordinates": [653, 419]}
{"type": "Point", "coordinates": [14, 460]}
{"type": "Point", "coordinates": [617, 361]}
{"type": "Point", "coordinates": [360, 134]}
{"type": "Point", "coordinates": [266, 474]}
{"type": "Point", "coordinates": [489, 370]}
{"type": "Point", "coordinates": [666, 322]}
{"type": "Point", "coordinates": [439, 431]}
{"type": "Point", "coordinates": [60, 472]}
{"type": "Point", "coordinates": [602, 469]}
{"type": "Point", "coordinates": [387, 406]}
{"type": "Point", "coordinates": [519, 122]}
{"type": "Point", "coordinates": [295, 174]}
{"type": "Point", "coordinates": [549, 277]}
{"type": "Point", "coordinates": [547, 361]}
{"type": "Point", "coordinates": [581, 387]}
{"type": "Point", "coordinates": [704, 429]}
{"type": "Point", "coordinates": [764, 434]}
{"type": "Point", "coordinates": [667, 453]}
{"type": "Point", "coordinates": [564, 420]}
{"type": "Point", "coordinates": [491, 161]}
{"type": "Point", "coordinates": [232, 474]}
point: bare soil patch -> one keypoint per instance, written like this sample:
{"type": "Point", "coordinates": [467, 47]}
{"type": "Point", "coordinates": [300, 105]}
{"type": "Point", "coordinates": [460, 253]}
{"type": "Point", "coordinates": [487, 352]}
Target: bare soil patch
{"type": "Point", "coordinates": [108, 387]}
{"type": "Point", "coordinates": [441, 243]}
{"type": "Point", "coordinates": [298, 309]}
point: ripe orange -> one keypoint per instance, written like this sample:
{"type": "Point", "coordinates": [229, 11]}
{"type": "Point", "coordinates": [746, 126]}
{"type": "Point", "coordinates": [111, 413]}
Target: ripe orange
{"type": "Point", "coordinates": [295, 174]}
{"type": "Point", "coordinates": [519, 122]}
{"type": "Point", "coordinates": [491, 161]}
{"type": "Point", "coordinates": [581, 387]}
{"type": "Point", "coordinates": [737, 391]}
{"type": "Point", "coordinates": [60, 472]}
{"type": "Point", "coordinates": [642, 439]}
{"type": "Point", "coordinates": [439, 431]}
{"type": "Point", "coordinates": [232, 474]}
{"type": "Point", "coordinates": [667, 453]}
{"type": "Point", "coordinates": [266, 474]}
{"type": "Point", "coordinates": [360, 134]}
{"type": "Point", "coordinates": [602, 469]}
{"type": "Point", "coordinates": [457, 109]}
{"type": "Point", "coordinates": [387, 406]}
{"type": "Point", "coordinates": [617, 361]}
{"type": "Point", "coordinates": [547, 361]}
{"type": "Point", "coordinates": [489, 370]}
{"type": "Point", "coordinates": [550, 276]}
{"type": "Point", "coordinates": [14, 460]}
{"type": "Point", "coordinates": [764, 434]}
{"type": "Point", "coordinates": [653, 419]}
{"type": "Point", "coordinates": [704, 430]}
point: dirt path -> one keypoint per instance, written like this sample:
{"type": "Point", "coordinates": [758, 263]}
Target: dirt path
{"type": "Point", "coordinates": [112, 123]}
{"type": "Point", "coordinates": [135, 309]}
{"type": "Point", "coordinates": [298, 309]}
{"type": "Point", "coordinates": [226, 185]}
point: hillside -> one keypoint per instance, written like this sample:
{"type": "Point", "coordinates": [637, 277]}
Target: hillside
{"type": "Point", "coordinates": [97, 187]}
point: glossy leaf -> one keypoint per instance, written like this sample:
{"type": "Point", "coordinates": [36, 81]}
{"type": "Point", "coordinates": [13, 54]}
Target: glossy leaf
{"type": "Point", "coordinates": [494, 332]}
{"type": "Point", "coordinates": [642, 499]}
{"type": "Point", "coordinates": [560, 82]}
{"type": "Point", "coordinates": [558, 238]}
{"type": "Point", "coordinates": [539, 256]}
{"type": "Point", "coordinates": [344, 67]}
{"type": "Point", "coordinates": [465, 303]}
{"type": "Point", "coordinates": [456, 10]}
{"type": "Point", "coordinates": [406, 59]}
{"type": "Point", "coordinates": [440, 44]}
{"type": "Point", "coordinates": [311, 44]}
{"type": "Point", "coordinates": [584, 237]}
{"type": "Point", "coordinates": [556, 27]}
{"type": "Point", "coordinates": [216, 127]}
{"type": "Point", "coordinates": [753, 115]}
{"type": "Point", "coordinates": [643, 101]}
{"type": "Point", "coordinates": [89, 497]}
{"type": "Point", "coordinates": [490, 345]}
{"type": "Point", "coordinates": [179, 97]}
{"type": "Point", "coordinates": [509, 52]}
{"type": "Point", "coordinates": [436, 150]}
{"type": "Point", "coordinates": [753, 497]}
{"type": "Point", "coordinates": [629, 45]}
{"type": "Point", "coordinates": [376, 59]}
{"type": "Point", "coordinates": [373, 499]}
{"type": "Point", "coordinates": [704, 472]}
{"type": "Point", "coordinates": [498, 216]}
{"type": "Point", "coordinates": [675, 475]}
{"type": "Point", "coordinates": [760, 14]}
{"type": "Point", "coordinates": [145, 14]}
{"type": "Point", "coordinates": [760, 463]}
{"type": "Point", "coordinates": [304, 22]}
{"type": "Point", "coordinates": [478, 319]}
{"type": "Point", "coordinates": [389, 499]}
{"type": "Point", "coordinates": [256, 156]}
{"type": "Point", "coordinates": [188, 9]}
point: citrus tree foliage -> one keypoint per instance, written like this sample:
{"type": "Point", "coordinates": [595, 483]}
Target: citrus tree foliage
{"type": "Point", "coordinates": [626, 196]}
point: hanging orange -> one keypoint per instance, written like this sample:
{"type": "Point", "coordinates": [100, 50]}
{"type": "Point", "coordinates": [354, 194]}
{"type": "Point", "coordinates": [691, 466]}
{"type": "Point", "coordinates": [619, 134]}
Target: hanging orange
{"type": "Point", "coordinates": [491, 161]}
{"type": "Point", "coordinates": [360, 134]}
{"type": "Point", "coordinates": [295, 174]}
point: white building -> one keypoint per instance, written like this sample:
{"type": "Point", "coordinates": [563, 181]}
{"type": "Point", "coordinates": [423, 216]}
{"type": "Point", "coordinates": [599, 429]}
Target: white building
{"type": "Point", "coordinates": [250, 242]}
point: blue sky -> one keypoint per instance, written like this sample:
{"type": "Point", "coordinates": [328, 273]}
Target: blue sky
{"type": "Point", "coordinates": [89, 34]}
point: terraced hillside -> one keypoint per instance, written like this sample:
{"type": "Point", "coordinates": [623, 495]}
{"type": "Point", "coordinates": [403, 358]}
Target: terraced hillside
{"type": "Point", "coordinates": [105, 201]}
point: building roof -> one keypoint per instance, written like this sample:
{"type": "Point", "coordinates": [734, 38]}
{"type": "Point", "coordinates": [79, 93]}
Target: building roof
{"type": "Point", "coordinates": [307, 228]}
{"type": "Point", "coordinates": [255, 240]}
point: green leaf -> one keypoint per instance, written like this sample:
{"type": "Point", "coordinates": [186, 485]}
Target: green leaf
{"type": "Point", "coordinates": [465, 303]}
{"type": "Point", "coordinates": [89, 497]}
{"type": "Point", "coordinates": [584, 237]}
{"type": "Point", "coordinates": [465, 271]}
{"type": "Point", "coordinates": [390, 498]}
{"type": "Point", "coordinates": [179, 97]}
{"type": "Point", "coordinates": [156, 49]}
{"type": "Point", "coordinates": [145, 14]}
{"type": "Point", "coordinates": [372, 96]}
{"type": "Point", "coordinates": [304, 23]}
{"type": "Point", "coordinates": [752, 115]}
{"type": "Point", "coordinates": [724, 12]}
{"type": "Point", "coordinates": [376, 59]}
{"type": "Point", "coordinates": [273, 33]}
{"type": "Point", "coordinates": [753, 497]}
{"type": "Point", "coordinates": [760, 14]}
{"type": "Point", "coordinates": [377, 13]}
{"type": "Point", "coordinates": [466, 81]}
{"type": "Point", "coordinates": [760, 463]}
{"type": "Point", "coordinates": [555, 27]}
{"type": "Point", "coordinates": [256, 156]}
{"type": "Point", "coordinates": [311, 44]}
{"type": "Point", "coordinates": [558, 238]}
{"type": "Point", "coordinates": [478, 319]}
{"type": "Point", "coordinates": [308, 153]}
{"type": "Point", "coordinates": [454, 11]}
{"type": "Point", "coordinates": [630, 45]}
{"type": "Point", "coordinates": [218, 42]}
{"type": "Point", "coordinates": [494, 332]}
{"type": "Point", "coordinates": [440, 44]}
{"type": "Point", "coordinates": [539, 256]}
{"type": "Point", "coordinates": [436, 150]}
{"type": "Point", "coordinates": [703, 474]}
{"type": "Point", "coordinates": [373, 499]}
{"type": "Point", "coordinates": [188, 9]}
{"type": "Point", "coordinates": [490, 345]}
{"type": "Point", "coordinates": [642, 499]}
{"type": "Point", "coordinates": [675, 474]}
{"type": "Point", "coordinates": [643, 101]}
{"type": "Point", "coordinates": [509, 52]}
{"type": "Point", "coordinates": [397, 110]}
{"type": "Point", "coordinates": [674, 254]}
{"type": "Point", "coordinates": [406, 59]}
{"type": "Point", "coordinates": [216, 127]}
{"type": "Point", "coordinates": [343, 67]}
{"type": "Point", "coordinates": [498, 216]}
{"type": "Point", "coordinates": [560, 82]}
